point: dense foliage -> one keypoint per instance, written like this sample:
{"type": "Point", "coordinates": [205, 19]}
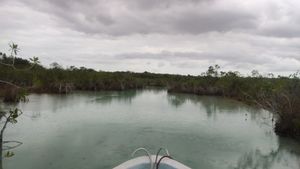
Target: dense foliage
{"type": "Point", "coordinates": [12, 93]}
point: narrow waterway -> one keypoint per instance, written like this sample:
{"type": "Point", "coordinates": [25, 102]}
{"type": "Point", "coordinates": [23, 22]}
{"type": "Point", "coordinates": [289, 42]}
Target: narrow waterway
{"type": "Point", "coordinates": [98, 130]}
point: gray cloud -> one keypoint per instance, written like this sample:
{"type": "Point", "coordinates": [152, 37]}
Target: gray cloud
{"type": "Point", "coordinates": [190, 56]}
{"type": "Point", "coordinates": [171, 16]}
{"type": "Point", "coordinates": [172, 36]}
{"type": "Point", "coordinates": [144, 17]}
{"type": "Point", "coordinates": [115, 17]}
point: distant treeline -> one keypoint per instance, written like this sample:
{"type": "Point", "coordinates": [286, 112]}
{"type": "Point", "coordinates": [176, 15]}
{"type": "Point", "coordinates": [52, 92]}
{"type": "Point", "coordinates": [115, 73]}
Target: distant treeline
{"type": "Point", "coordinates": [281, 95]}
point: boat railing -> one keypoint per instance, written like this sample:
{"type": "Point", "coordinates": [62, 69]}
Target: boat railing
{"type": "Point", "coordinates": [148, 154]}
{"type": "Point", "coordinates": [155, 164]}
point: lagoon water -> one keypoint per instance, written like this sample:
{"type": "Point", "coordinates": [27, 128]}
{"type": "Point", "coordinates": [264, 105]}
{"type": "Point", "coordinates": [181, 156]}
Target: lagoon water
{"type": "Point", "coordinates": [99, 130]}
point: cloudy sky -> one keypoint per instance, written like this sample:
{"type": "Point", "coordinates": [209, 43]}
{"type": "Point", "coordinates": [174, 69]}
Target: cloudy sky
{"type": "Point", "coordinates": [164, 36]}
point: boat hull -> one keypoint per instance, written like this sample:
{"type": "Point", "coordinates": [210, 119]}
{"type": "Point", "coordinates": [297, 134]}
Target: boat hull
{"type": "Point", "coordinates": [143, 163]}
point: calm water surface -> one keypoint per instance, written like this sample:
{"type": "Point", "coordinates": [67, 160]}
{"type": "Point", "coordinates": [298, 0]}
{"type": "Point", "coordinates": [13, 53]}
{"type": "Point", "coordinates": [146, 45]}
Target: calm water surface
{"type": "Point", "coordinates": [88, 130]}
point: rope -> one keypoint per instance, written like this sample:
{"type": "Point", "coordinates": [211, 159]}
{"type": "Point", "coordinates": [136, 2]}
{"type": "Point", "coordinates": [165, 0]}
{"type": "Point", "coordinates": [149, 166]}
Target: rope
{"type": "Point", "coordinates": [166, 151]}
{"type": "Point", "coordinates": [157, 165]}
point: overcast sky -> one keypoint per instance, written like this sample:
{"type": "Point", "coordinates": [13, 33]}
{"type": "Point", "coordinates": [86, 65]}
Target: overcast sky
{"type": "Point", "coordinates": [164, 36]}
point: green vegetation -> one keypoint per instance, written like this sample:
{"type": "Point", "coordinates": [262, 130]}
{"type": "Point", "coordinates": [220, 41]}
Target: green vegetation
{"type": "Point", "coordinates": [13, 93]}
{"type": "Point", "coordinates": [280, 95]}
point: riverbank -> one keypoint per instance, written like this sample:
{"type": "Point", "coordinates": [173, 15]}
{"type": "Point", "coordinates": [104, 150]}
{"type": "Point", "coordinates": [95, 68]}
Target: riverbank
{"type": "Point", "coordinates": [280, 95]}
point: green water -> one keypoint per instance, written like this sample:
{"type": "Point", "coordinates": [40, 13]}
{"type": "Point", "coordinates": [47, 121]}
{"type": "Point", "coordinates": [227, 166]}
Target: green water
{"type": "Point", "coordinates": [87, 130]}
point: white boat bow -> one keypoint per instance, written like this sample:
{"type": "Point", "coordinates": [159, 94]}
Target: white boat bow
{"type": "Point", "coordinates": [152, 162]}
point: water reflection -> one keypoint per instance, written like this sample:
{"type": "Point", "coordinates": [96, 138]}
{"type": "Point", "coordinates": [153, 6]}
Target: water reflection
{"type": "Point", "coordinates": [176, 100]}
{"type": "Point", "coordinates": [211, 104]}
{"type": "Point", "coordinates": [33, 115]}
{"type": "Point", "coordinates": [257, 159]}
{"type": "Point", "coordinates": [42, 102]}
{"type": "Point", "coordinates": [216, 105]}
{"type": "Point", "coordinates": [121, 96]}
